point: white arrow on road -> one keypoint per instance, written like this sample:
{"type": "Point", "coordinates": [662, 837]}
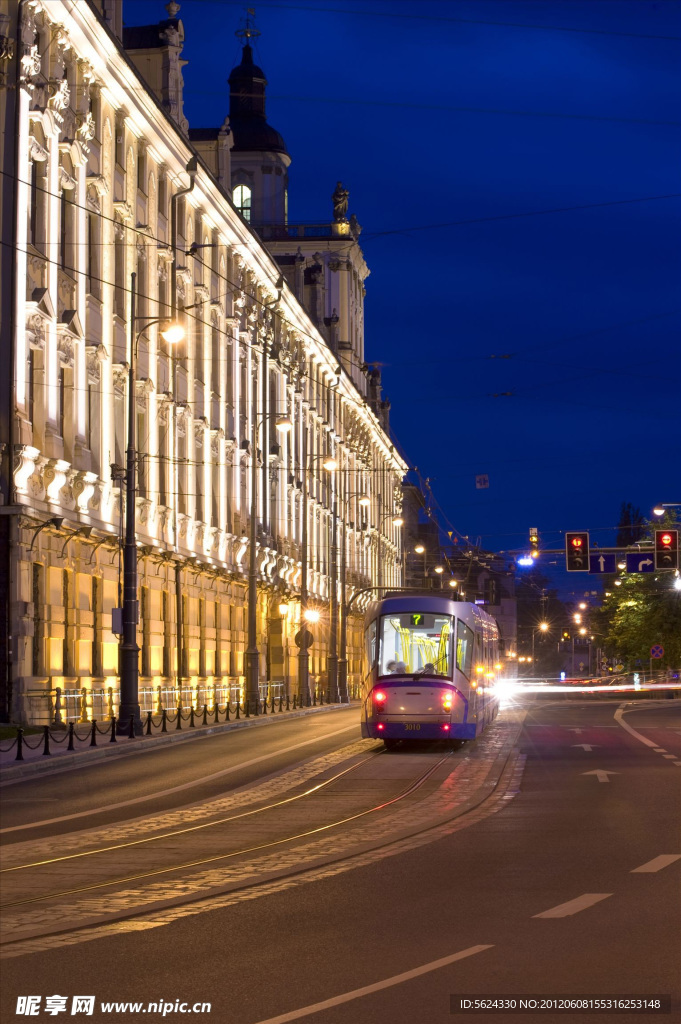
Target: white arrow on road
{"type": "Point", "coordinates": [602, 775]}
{"type": "Point", "coordinates": [646, 561]}
{"type": "Point", "coordinates": [586, 746]}
{"type": "Point", "coordinates": [578, 731]}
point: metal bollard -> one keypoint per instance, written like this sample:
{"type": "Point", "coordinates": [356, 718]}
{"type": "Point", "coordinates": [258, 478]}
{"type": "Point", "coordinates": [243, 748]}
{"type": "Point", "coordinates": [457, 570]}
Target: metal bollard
{"type": "Point", "coordinates": [191, 717]}
{"type": "Point", "coordinates": [281, 702]}
{"type": "Point", "coordinates": [247, 706]}
{"type": "Point", "coordinates": [20, 745]}
{"type": "Point", "coordinates": [264, 705]}
{"type": "Point", "coordinates": [288, 704]}
{"type": "Point", "coordinates": [217, 710]}
{"type": "Point", "coordinates": [205, 714]}
{"type": "Point", "coordinates": [113, 729]}
{"type": "Point", "coordinates": [321, 697]}
{"type": "Point", "coordinates": [238, 709]}
{"type": "Point", "coordinates": [70, 744]}
{"type": "Point", "coordinates": [179, 715]}
{"type": "Point", "coordinates": [164, 720]}
{"type": "Point", "coordinates": [295, 695]}
{"type": "Point", "coordinates": [314, 699]}
{"type": "Point", "coordinates": [93, 733]}
{"type": "Point", "coordinates": [257, 706]}
{"type": "Point", "coordinates": [148, 723]}
{"type": "Point", "coordinates": [131, 728]}
{"type": "Point", "coordinates": [46, 741]}
{"type": "Point", "coordinates": [227, 712]}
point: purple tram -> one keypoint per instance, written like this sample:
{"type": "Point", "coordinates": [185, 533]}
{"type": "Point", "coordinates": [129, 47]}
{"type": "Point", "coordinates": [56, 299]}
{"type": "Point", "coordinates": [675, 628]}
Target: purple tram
{"type": "Point", "coordinates": [430, 669]}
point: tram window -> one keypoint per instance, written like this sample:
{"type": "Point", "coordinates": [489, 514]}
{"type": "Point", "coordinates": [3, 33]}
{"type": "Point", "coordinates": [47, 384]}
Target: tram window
{"type": "Point", "coordinates": [370, 643]}
{"type": "Point", "coordinates": [408, 645]}
{"type": "Point", "coordinates": [464, 648]}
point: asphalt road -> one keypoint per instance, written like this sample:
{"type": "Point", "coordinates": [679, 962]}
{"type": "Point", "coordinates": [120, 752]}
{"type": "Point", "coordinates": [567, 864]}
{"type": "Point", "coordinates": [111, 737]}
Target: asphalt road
{"type": "Point", "coordinates": [544, 897]}
{"type": "Point", "coordinates": [148, 780]}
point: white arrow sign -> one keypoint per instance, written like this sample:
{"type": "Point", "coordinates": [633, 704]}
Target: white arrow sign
{"type": "Point", "coordinates": [601, 562]}
{"type": "Point", "coordinates": [586, 746]}
{"type": "Point", "coordinates": [646, 561]}
{"type": "Point", "coordinates": [601, 775]}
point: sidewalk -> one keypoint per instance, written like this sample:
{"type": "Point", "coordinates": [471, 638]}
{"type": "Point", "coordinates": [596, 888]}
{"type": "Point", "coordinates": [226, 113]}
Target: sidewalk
{"type": "Point", "coordinates": [60, 759]}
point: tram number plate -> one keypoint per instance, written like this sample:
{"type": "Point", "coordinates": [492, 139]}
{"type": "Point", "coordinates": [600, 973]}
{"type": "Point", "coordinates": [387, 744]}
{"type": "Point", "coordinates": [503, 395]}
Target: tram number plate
{"type": "Point", "coordinates": [412, 727]}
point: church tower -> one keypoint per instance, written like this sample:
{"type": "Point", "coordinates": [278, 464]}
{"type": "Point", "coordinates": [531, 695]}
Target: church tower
{"type": "Point", "coordinates": [259, 157]}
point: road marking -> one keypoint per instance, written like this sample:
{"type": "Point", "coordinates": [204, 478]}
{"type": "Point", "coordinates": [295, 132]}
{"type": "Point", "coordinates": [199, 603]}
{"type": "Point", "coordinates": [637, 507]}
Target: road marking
{"type": "Point", "coordinates": [656, 864]}
{"type": "Point", "coordinates": [637, 735]}
{"type": "Point", "coordinates": [178, 789]}
{"type": "Point", "coordinates": [574, 906]}
{"type": "Point", "coordinates": [578, 731]}
{"type": "Point", "coordinates": [677, 762]}
{"type": "Point", "coordinates": [357, 993]}
{"type": "Point", "coordinates": [669, 757]}
{"type": "Point", "coordinates": [586, 746]}
{"type": "Point", "coordinates": [600, 774]}
{"type": "Point", "coordinates": [659, 750]}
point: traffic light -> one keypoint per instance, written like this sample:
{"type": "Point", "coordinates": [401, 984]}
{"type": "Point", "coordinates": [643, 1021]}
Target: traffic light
{"type": "Point", "coordinates": [666, 549]}
{"type": "Point", "coordinates": [534, 542]}
{"type": "Point", "coordinates": [577, 552]}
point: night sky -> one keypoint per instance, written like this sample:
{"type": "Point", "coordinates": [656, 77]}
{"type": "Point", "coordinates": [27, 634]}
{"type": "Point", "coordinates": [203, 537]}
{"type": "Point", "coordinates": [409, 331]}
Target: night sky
{"type": "Point", "coordinates": [456, 126]}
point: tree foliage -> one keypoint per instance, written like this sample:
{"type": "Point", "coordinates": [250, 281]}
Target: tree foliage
{"type": "Point", "coordinates": [631, 526]}
{"type": "Point", "coordinates": [643, 611]}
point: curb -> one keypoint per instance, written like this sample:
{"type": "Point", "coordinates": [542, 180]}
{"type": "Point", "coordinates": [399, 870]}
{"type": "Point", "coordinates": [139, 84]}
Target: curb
{"type": "Point", "coordinates": [140, 744]}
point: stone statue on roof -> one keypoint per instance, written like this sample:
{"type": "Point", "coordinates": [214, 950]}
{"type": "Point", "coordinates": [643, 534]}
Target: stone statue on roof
{"type": "Point", "coordinates": [340, 203]}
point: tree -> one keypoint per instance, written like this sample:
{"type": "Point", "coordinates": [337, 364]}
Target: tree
{"type": "Point", "coordinates": [643, 611]}
{"type": "Point", "coordinates": [631, 526]}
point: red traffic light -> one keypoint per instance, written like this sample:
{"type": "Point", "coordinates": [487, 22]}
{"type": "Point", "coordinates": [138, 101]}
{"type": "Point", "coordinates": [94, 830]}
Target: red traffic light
{"type": "Point", "coordinates": [666, 549]}
{"type": "Point", "coordinates": [577, 551]}
{"type": "Point", "coordinates": [577, 542]}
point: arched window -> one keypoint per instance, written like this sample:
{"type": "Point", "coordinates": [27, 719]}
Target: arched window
{"type": "Point", "coordinates": [242, 200]}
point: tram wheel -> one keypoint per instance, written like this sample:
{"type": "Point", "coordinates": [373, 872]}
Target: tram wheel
{"type": "Point", "coordinates": [390, 744]}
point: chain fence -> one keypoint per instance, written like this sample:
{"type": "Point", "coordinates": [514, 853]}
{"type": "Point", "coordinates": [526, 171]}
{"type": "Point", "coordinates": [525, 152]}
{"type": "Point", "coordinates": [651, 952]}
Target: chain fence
{"type": "Point", "coordinates": [71, 725]}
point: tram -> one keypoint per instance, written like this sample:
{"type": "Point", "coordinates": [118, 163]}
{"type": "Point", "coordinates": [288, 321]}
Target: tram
{"type": "Point", "coordinates": [430, 669]}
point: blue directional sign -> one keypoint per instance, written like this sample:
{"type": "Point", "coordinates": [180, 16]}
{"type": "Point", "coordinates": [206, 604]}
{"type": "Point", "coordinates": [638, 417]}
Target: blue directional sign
{"type": "Point", "coordinates": [641, 561]}
{"type": "Point", "coordinates": [602, 563]}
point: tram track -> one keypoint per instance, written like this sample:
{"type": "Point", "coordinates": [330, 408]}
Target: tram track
{"type": "Point", "coordinates": [414, 786]}
{"type": "Point", "coordinates": [480, 785]}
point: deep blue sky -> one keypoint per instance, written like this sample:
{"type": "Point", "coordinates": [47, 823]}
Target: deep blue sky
{"type": "Point", "coordinates": [588, 302]}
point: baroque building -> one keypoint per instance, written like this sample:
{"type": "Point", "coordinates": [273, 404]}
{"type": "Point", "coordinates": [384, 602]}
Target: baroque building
{"type": "Point", "coordinates": [106, 189]}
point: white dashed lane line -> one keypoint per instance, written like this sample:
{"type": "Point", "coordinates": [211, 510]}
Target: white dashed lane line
{"type": "Point", "coordinates": [670, 757]}
{"type": "Point", "coordinates": [659, 750]}
{"type": "Point", "coordinates": [656, 864]}
{"type": "Point", "coordinates": [588, 899]}
{"type": "Point", "coordinates": [367, 990]}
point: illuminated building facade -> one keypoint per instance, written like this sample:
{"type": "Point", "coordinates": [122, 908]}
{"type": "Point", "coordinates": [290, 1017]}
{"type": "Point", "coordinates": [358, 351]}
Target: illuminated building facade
{"type": "Point", "coordinates": [100, 152]}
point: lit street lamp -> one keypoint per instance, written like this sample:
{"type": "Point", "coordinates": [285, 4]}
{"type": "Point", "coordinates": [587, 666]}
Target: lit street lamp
{"type": "Point", "coordinates": [252, 654]}
{"type": "Point", "coordinates": [304, 636]}
{"type": "Point", "coordinates": [364, 502]}
{"type": "Point", "coordinates": [128, 707]}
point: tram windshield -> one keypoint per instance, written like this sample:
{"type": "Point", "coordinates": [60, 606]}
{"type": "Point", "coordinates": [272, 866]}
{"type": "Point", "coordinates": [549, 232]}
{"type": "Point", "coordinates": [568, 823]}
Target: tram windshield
{"type": "Point", "coordinates": [415, 642]}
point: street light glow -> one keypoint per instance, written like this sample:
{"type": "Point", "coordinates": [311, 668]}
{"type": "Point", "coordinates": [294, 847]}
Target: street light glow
{"type": "Point", "coordinates": [419, 549]}
{"type": "Point", "coordinates": [173, 334]}
{"type": "Point", "coordinates": [330, 465]}
{"type": "Point", "coordinates": [284, 425]}
{"type": "Point", "coordinates": [311, 615]}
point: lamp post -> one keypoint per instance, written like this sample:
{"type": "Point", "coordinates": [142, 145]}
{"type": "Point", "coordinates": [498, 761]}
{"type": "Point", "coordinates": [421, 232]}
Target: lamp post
{"type": "Point", "coordinates": [364, 501]}
{"type": "Point", "coordinates": [128, 707]}
{"type": "Point", "coordinates": [304, 634]}
{"type": "Point", "coordinates": [252, 653]}
{"type": "Point", "coordinates": [396, 521]}
{"type": "Point", "coordinates": [543, 627]}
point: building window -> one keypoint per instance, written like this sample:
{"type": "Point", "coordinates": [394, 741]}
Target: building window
{"type": "Point", "coordinates": [242, 200]}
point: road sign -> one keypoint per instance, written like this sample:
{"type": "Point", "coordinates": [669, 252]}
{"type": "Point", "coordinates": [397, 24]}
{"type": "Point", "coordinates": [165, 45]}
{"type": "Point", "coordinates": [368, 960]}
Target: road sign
{"type": "Point", "coordinates": [657, 651]}
{"type": "Point", "coordinates": [640, 561]}
{"type": "Point", "coordinates": [602, 563]}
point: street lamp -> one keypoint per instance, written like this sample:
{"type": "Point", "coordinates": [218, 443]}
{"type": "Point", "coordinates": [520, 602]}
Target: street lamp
{"type": "Point", "coordinates": [283, 424]}
{"type": "Point", "coordinates": [420, 549]}
{"type": "Point", "coordinates": [660, 509]}
{"type": "Point", "coordinates": [543, 627]}
{"type": "Point", "coordinates": [304, 635]}
{"type": "Point", "coordinates": [128, 707]}
{"type": "Point", "coordinates": [364, 502]}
